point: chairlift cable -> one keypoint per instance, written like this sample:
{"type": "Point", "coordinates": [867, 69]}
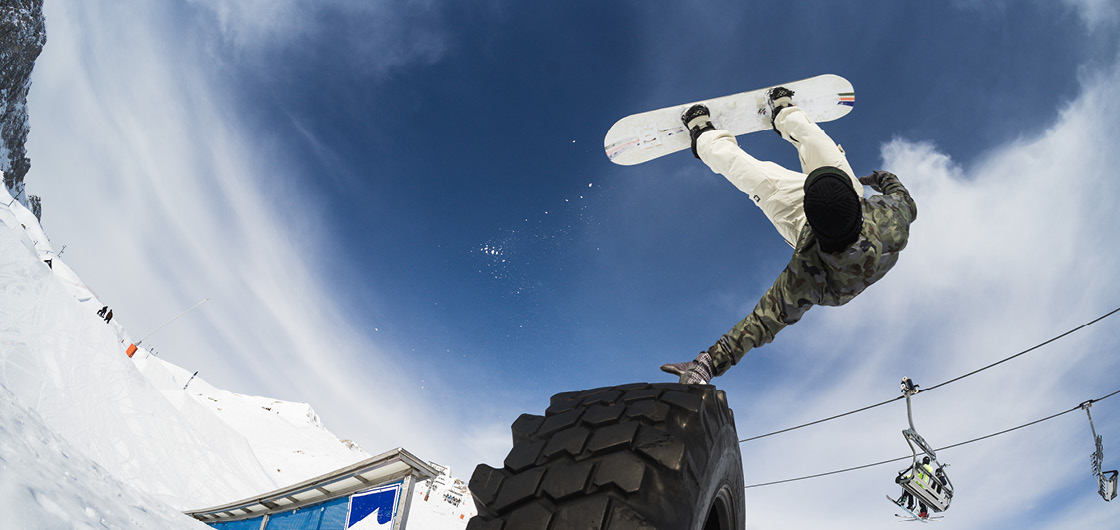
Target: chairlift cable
{"type": "Point", "coordinates": [1106, 315]}
{"type": "Point", "coordinates": [1005, 431]}
{"type": "Point", "coordinates": [172, 320]}
{"type": "Point", "coordinates": [830, 418]}
{"type": "Point", "coordinates": [939, 385]}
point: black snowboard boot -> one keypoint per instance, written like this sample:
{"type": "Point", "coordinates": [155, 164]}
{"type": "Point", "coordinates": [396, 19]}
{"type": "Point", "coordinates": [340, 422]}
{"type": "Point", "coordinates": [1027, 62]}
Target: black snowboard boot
{"type": "Point", "coordinates": [697, 120]}
{"type": "Point", "coordinates": [777, 99]}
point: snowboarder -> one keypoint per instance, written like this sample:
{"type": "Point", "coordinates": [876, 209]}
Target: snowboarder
{"type": "Point", "coordinates": [101, 312]}
{"type": "Point", "coordinates": [108, 316]}
{"type": "Point", "coordinates": [842, 241]}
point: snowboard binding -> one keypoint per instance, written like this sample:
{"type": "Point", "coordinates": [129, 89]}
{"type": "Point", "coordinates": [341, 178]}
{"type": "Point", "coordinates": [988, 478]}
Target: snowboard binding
{"type": "Point", "coordinates": [778, 98]}
{"type": "Point", "coordinates": [698, 120]}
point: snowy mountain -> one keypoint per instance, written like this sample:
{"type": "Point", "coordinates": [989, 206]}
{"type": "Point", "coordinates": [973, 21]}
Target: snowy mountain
{"type": "Point", "coordinates": [91, 436]}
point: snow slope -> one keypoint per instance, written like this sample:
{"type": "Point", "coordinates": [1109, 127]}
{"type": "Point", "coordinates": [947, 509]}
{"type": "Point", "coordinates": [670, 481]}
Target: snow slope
{"type": "Point", "coordinates": [92, 438]}
{"type": "Point", "coordinates": [287, 439]}
{"type": "Point", "coordinates": [46, 484]}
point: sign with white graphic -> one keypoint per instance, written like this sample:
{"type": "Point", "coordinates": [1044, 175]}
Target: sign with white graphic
{"type": "Point", "coordinates": [375, 509]}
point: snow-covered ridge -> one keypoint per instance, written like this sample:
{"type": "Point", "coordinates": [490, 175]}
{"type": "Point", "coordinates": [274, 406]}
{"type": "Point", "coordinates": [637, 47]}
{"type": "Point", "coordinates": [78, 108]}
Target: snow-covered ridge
{"type": "Point", "coordinates": [189, 448]}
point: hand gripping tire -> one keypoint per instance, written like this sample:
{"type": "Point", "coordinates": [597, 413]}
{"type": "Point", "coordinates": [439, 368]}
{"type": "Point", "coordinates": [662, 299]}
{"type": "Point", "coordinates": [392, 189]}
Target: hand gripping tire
{"type": "Point", "coordinates": [634, 457]}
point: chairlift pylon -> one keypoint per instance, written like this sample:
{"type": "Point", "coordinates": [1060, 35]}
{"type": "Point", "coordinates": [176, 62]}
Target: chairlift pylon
{"type": "Point", "coordinates": [925, 481]}
{"type": "Point", "coordinates": [1106, 480]}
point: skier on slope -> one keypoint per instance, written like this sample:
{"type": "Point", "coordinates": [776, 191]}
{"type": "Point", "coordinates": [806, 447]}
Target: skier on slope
{"type": "Point", "coordinates": [842, 241]}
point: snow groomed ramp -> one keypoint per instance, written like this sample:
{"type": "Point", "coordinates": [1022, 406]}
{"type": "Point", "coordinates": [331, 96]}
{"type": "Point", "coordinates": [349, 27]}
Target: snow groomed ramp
{"type": "Point", "coordinates": [374, 493]}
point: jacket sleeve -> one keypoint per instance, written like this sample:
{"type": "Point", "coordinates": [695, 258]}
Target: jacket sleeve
{"type": "Point", "coordinates": [892, 212]}
{"type": "Point", "coordinates": [892, 187]}
{"type": "Point", "coordinates": [792, 294]}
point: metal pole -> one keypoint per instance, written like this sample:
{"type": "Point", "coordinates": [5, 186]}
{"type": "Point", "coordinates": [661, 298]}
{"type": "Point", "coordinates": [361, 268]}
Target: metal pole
{"type": "Point", "coordinates": [1085, 406]}
{"type": "Point", "coordinates": [912, 432]}
{"type": "Point", "coordinates": [405, 501]}
{"type": "Point", "coordinates": [909, 413]}
{"type": "Point", "coordinates": [1097, 457]}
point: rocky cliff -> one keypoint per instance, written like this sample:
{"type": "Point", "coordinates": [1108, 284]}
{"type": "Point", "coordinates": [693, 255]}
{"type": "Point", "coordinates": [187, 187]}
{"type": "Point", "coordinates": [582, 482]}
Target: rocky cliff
{"type": "Point", "coordinates": [23, 32]}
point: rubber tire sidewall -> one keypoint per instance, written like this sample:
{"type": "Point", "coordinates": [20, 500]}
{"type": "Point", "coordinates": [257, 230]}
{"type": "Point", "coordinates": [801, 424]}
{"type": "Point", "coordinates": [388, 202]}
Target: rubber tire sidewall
{"type": "Point", "coordinates": [724, 472]}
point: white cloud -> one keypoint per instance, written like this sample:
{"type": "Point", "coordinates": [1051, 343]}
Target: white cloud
{"type": "Point", "coordinates": [1005, 254]}
{"type": "Point", "coordinates": [1096, 14]}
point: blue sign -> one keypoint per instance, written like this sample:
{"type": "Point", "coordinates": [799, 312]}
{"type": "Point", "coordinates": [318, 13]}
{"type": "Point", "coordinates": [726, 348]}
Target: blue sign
{"type": "Point", "coordinates": [375, 508]}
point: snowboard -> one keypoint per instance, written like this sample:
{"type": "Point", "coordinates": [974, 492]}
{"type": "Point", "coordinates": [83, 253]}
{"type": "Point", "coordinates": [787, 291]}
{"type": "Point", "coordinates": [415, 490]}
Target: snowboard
{"type": "Point", "coordinates": [912, 517]}
{"type": "Point", "coordinates": [643, 137]}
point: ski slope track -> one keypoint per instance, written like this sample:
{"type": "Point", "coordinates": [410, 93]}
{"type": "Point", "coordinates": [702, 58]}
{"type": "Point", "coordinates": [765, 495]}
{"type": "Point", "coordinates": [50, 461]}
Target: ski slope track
{"type": "Point", "coordinates": [90, 438]}
{"type": "Point", "coordinates": [45, 483]}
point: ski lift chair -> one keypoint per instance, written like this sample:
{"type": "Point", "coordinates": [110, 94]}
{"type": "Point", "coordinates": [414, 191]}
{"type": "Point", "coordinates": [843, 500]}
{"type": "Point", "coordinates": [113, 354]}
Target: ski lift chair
{"type": "Point", "coordinates": [925, 487]}
{"type": "Point", "coordinates": [921, 483]}
{"type": "Point", "coordinates": [1107, 483]}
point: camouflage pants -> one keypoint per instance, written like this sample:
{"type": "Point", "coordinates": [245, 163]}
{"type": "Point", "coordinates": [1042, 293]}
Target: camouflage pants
{"type": "Point", "coordinates": [778, 191]}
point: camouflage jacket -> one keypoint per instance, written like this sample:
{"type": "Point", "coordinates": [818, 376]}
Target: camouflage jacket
{"type": "Point", "coordinates": [820, 278]}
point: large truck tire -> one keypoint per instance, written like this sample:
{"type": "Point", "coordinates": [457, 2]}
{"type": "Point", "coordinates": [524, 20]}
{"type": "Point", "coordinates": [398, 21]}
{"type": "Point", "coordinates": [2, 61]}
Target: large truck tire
{"type": "Point", "coordinates": [635, 457]}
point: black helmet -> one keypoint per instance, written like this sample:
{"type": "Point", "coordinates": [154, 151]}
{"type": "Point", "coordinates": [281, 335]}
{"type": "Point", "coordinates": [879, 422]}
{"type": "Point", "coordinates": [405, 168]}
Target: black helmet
{"type": "Point", "coordinates": [832, 208]}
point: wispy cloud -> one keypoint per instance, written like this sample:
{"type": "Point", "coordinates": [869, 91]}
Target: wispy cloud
{"type": "Point", "coordinates": [163, 198]}
{"type": "Point", "coordinates": [1096, 14]}
{"type": "Point", "coordinates": [370, 38]}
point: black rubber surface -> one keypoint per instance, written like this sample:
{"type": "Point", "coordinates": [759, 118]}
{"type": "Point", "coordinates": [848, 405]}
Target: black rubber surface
{"type": "Point", "coordinates": [638, 456]}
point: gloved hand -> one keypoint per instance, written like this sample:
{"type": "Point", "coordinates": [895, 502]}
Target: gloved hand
{"type": "Point", "coordinates": [695, 372]}
{"type": "Point", "coordinates": [872, 180]}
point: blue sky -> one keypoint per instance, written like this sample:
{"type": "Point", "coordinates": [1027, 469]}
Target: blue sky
{"type": "Point", "coordinates": [402, 214]}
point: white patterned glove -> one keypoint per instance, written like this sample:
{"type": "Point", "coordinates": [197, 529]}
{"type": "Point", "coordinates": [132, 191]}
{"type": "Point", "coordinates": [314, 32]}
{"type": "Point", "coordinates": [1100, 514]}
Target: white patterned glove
{"type": "Point", "coordinates": [695, 372]}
